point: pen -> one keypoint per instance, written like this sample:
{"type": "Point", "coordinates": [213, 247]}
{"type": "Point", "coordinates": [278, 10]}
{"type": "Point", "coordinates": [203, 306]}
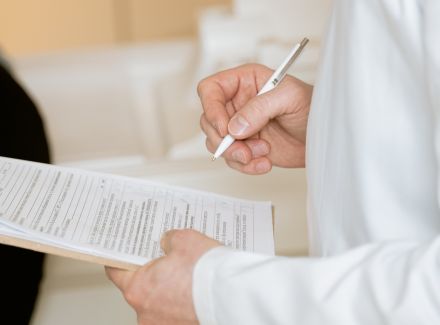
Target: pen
{"type": "Point", "coordinates": [273, 81]}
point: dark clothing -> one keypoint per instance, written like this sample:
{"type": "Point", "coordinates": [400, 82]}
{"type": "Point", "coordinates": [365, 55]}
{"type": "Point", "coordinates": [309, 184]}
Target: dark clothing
{"type": "Point", "coordinates": [21, 136]}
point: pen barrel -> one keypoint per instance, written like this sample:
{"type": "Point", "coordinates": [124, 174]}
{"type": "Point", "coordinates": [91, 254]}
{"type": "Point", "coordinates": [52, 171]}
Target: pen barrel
{"type": "Point", "coordinates": [281, 72]}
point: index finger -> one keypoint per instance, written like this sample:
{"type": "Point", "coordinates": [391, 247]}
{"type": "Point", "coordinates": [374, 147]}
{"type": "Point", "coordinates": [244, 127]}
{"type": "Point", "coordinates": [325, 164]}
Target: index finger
{"type": "Point", "coordinates": [214, 99]}
{"type": "Point", "coordinates": [233, 87]}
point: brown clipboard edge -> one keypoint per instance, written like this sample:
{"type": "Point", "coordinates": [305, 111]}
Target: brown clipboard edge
{"type": "Point", "coordinates": [45, 248]}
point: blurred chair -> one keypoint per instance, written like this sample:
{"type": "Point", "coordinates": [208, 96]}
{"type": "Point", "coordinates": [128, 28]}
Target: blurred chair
{"type": "Point", "coordinates": [104, 104]}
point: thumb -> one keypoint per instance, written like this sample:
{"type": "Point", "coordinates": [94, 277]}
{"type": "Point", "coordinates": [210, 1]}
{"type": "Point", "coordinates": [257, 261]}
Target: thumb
{"type": "Point", "coordinates": [256, 114]}
{"type": "Point", "coordinates": [183, 240]}
{"type": "Point", "coordinates": [167, 241]}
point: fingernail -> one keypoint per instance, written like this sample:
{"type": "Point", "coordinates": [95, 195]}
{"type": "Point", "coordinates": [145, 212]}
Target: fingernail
{"type": "Point", "coordinates": [259, 149]}
{"type": "Point", "coordinates": [262, 167]}
{"type": "Point", "coordinates": [238, 156]}
{"type": "Point", "coordinates": [238, 125]}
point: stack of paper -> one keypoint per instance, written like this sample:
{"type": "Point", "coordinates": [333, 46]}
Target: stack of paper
{"type": "Point", "coordinates": [115, 220]}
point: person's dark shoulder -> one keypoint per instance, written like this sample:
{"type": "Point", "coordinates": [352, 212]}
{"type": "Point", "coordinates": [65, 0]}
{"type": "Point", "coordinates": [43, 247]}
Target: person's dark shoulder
{"type": "Point", "coordinates": [22, 133]}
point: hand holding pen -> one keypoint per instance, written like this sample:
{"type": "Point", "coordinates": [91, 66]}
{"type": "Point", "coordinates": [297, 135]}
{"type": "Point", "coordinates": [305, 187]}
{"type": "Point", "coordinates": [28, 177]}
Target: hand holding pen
{"type": "Point", "coordinates": [270, 127]}
{"type": "Point", "coordinates": [273, 81]}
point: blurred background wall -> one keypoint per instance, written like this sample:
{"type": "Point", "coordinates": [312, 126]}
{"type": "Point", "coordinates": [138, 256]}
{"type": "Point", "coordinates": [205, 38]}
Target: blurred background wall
{"type": "Point", "coordinates": [37, 26]}
{"type": "Point", "coordinates": [117, 78]}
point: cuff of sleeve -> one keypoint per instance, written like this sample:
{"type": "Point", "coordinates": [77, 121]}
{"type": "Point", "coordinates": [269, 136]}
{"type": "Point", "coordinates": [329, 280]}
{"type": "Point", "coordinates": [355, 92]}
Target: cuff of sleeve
{"type": "Point", "coordinates": [203, 277]}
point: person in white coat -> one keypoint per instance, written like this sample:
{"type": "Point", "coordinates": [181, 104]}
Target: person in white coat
{"type": "Point", "coordinates": [370, 140]}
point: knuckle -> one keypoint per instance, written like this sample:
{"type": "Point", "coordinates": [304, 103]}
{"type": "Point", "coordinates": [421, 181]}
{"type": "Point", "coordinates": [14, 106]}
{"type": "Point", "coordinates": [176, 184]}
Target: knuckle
{"type": "Point", "coordinates": [233, 165]}
{"type": "Point", "coordinates": [209, 145]}
{"type": "Point", "coordinates": [201, 86]}
{"type": "Point", "coordinates": [202, 122]}
{"type": "Point", "coordinates": [260, 111]}
{"type": "Point", "coordinates": [260, 105]}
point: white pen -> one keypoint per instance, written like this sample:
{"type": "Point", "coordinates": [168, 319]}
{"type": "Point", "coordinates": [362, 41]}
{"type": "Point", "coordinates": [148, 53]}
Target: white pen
{"type": "Point", "coordinates": [273, 81]}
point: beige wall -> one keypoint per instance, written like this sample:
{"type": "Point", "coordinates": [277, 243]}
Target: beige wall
{"type": "Point", "coordinates": [166, 18]}
{"type": "Point", "coordinates": [32, 26]}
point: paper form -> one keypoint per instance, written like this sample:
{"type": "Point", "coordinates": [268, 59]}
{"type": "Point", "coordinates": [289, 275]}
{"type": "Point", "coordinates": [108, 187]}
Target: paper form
{"type": "Point", "coordinates": [119, 217]}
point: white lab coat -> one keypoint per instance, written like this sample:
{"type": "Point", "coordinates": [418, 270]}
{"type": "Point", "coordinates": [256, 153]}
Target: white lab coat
{"type": "Point", "coordinates": [373, 160]}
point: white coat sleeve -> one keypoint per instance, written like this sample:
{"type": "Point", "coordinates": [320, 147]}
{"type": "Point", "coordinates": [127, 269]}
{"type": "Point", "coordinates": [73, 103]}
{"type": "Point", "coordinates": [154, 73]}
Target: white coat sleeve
{"type": "Point", "coordinates": [383, 283]}
{"type": "Point", "coordinates": [393, 282]}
